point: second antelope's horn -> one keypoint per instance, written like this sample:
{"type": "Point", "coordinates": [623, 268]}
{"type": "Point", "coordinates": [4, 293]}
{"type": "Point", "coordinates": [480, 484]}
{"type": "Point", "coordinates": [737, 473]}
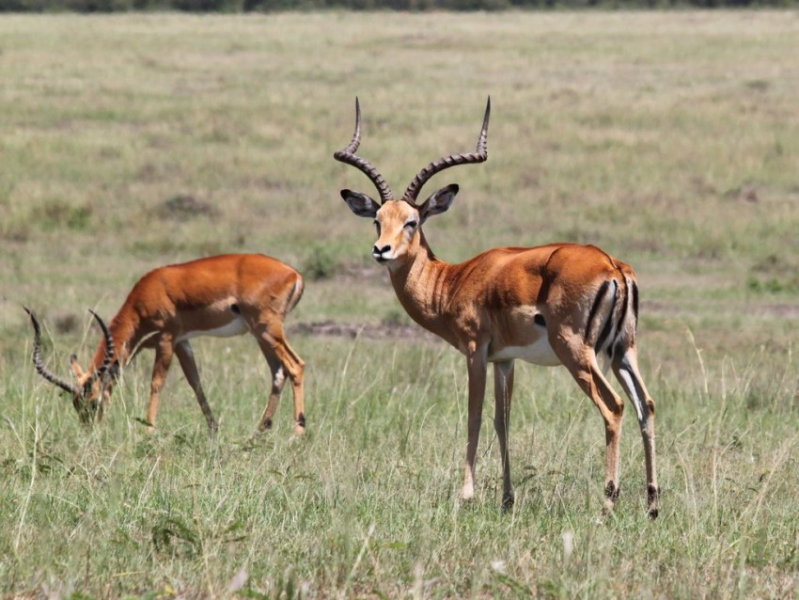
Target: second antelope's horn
{"type": "Point", "coordinates": [37, 358]}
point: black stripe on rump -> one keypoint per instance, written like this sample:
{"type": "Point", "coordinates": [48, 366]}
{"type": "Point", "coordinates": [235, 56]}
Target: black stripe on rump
{"type": "Point", "coordinates": [594, 308]}
{"type": "Point", "coordinates": [603, 337]}
{"type": "Point", "coordinates": [623, 315]}
{"type": "Point", "coordinates": [635, 303]}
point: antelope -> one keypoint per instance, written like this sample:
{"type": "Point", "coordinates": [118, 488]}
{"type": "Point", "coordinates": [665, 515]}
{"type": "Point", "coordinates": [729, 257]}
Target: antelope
{"type": "Point", "coordinates": [556, 304]}
{"type": "Point", "coordinates": [220, 296]}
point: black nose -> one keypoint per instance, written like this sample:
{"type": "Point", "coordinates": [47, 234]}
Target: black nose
{"type": "Point", "coordinates": [380, 251]}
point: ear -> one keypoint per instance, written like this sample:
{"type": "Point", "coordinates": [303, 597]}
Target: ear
{"type": "Point", "coordinates": [438, 202]}
{"type": "Point", "coordinates": [361, 204]}
{"type": "Point", "coordinates": [76, 369]}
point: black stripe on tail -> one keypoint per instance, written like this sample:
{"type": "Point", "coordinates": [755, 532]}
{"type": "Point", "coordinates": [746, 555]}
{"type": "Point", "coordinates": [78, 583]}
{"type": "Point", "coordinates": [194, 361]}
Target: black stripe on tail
{"type": "Point", "coordinates": [622, 316]}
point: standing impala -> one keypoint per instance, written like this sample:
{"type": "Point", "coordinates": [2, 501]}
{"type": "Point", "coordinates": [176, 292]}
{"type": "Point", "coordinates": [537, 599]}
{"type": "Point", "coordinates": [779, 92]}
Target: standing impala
{"type": "Point", "coordinates": [219, 296]}
{"type": "Point", "coordinates": [558, 304]}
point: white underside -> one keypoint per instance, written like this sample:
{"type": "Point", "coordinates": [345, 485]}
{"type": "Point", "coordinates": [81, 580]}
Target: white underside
{"type": "Point", "coordinates": [539, 353]}
{"type": "Point", "coordinates": [236, 327]}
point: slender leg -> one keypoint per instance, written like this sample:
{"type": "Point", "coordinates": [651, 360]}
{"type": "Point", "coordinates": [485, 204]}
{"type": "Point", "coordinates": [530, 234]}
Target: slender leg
{"type": "Point", "coordinates": [503, 392]}
{"type": "Point", "coordinates": [612, 411]}
{"type": "Point", "coordinates": [163, 358]}
{"type": "Point", "coordinates": [477, 363]}
{"type": "Point", "coordinates": [586, 372]}
{"type": "Point", "coordinates": [278, 381]}
{"type": "Point", "coordinates": [626, 369]}
{"type": "Point", "coordinates": [283, 361]}
{"type": "Point", "coordinates": [186, 357]}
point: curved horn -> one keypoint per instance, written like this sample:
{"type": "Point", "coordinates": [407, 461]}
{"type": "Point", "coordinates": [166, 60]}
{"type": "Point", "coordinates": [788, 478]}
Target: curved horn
{"type": "Point", "coordinates": [347, 155]}
{"type": "Point", "coordinates": [37, 358]}
{"type": "Point", "coordinates": [109, 347]}
{"type": "Point", "coordinates": [481, 155]}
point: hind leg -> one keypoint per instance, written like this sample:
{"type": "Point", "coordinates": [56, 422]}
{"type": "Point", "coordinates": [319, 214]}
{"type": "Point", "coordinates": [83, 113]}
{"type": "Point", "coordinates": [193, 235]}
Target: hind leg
{"type": "Point", "coordinates": [283, 363]}
{"type": "Point", "coordinates": [583, 366]}
{"type": "Point", "coordinates": [625, 367]}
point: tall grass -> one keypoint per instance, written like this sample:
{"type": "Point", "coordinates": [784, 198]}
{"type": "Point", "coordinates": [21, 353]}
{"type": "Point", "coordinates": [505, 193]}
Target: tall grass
{"type": "Point", "coordinates": [670, 139]}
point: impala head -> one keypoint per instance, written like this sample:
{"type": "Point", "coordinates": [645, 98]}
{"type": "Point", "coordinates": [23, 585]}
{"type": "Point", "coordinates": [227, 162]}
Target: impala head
{"type": "Point", "coordinates": [90, 392]}
{"type": "Point", "coordinates": [398, 222]}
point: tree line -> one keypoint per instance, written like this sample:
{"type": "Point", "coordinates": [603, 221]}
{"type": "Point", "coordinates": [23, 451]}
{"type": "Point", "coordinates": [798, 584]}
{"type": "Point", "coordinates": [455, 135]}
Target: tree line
{"type": "Point", "coordinates": [235, 6]}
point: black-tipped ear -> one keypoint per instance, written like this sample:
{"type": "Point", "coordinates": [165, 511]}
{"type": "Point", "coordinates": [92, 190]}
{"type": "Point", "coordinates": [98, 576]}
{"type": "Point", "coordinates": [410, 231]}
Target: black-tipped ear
{"type": "Point", "coordinates": [438, 202]}
{"type": "Point", "coordinates": [361, 204]}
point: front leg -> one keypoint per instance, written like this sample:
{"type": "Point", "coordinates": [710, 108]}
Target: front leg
{"type": "Point", "coordinates": [186, 358]}
{"type": "Point", "coordinates": [164, 351]}
{"type": "Point", "coordinates": [503, 392]}
{"type": "Point", "coordinates": [476, 359]}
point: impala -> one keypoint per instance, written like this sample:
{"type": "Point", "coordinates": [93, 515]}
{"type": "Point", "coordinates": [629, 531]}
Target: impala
{"type": "Point", "coordinates": [557, 304]}
{"type": "Point", "coordinates": [219, 296]}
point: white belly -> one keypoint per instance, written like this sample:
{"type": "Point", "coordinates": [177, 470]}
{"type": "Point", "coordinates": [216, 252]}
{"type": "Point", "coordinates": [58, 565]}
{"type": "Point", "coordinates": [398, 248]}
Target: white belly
{"type": "Point", "coordinates": [538, 353]}
{"type": "Point", "coordinates": [236, 327]}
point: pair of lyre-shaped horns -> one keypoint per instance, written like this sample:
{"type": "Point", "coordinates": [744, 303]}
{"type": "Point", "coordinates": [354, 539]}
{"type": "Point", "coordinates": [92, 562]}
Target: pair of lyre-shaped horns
{"type": "Point", "coordinates": [55, 379]}
{"type": "Point", "coordinates": [347, 155]}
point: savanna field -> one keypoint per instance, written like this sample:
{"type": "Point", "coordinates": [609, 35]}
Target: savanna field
{"type": "Point", "coordinates": [669, 139]}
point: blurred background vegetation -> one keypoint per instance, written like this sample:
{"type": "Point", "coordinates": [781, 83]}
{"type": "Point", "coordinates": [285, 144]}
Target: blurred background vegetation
{"type": "Point", "coordinates": [236, 6]}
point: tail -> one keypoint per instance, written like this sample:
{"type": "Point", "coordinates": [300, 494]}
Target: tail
{"type": "Point", "coordinates": [295, 295]}
{"type": "Point", "coordinates": [613, 319]}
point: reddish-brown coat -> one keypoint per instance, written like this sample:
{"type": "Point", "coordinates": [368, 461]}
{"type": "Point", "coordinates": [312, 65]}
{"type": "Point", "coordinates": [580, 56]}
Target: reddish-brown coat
{"type": "Point", "coordinates": [219, 296]}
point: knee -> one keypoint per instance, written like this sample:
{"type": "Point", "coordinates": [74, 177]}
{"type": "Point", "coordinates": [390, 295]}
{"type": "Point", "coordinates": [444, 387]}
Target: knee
{"type": "Point", "coordinates": [618, 407]}
{"type": "Point", "coordinates": [297, 372]}
{"type": "Point", "coordinates": [615, 407]}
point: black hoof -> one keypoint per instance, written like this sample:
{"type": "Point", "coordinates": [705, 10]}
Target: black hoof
{"type": "Point", "coordinates": [653, 494]}
{"type": "Point", "coordinates": [612, 492]}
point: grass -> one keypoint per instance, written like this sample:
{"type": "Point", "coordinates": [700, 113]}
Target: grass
{"type": "Point", "coordinates": [131, 141]}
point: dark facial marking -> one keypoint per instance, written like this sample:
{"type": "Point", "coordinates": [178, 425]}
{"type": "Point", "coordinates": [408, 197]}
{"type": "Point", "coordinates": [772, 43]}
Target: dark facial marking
{"type": "Point", "coordinates": [539, 320]}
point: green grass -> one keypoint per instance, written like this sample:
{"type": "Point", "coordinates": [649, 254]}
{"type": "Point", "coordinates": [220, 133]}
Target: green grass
{"type": "Point", "coordinates": [669, 139]}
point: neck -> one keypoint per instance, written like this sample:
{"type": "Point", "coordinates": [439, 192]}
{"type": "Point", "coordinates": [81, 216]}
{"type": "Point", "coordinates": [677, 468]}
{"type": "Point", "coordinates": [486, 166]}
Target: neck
{"type": "Point", "coordinates": [420, 283]}
{"type": "Point", "coordinates": [123, 329]}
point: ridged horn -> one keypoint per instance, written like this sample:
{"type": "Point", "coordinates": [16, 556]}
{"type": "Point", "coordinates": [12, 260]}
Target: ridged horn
{"type": "Point", "coordinates": [37, 358]}
{"type": "Point", "coordinates": [481, 155]}
{"type": "Point", "coordinates": [347, 155]}
{"type": "Point", "coordinates": [109, 348]}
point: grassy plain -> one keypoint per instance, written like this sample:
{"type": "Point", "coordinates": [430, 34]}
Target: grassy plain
{"type": "Point", "coordinates": [669, 139]}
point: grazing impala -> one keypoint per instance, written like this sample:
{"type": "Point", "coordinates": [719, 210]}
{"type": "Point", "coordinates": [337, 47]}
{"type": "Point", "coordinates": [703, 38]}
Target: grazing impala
{"type": "Point", "coordinates": [558, 304]}
{"type": "Point", "coordinates": [219, 296]}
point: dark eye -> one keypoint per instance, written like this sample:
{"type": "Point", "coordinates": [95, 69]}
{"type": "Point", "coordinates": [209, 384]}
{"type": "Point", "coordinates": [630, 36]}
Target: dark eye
{"type": "Point", "coordinates": [411, 224]}
{"type": "Point", "coordinates": [377, 226]}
